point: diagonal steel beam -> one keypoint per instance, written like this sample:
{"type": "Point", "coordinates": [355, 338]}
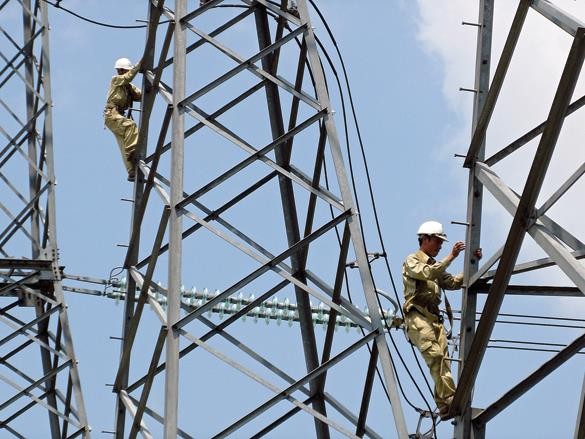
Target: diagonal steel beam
{"type": "Point", "coordinates": [497, 82]}
{"type": "Point", "coordinates": [522, 218]}
{"type": "Point", "coordinates": [562, 19]}
{"type": "Point", "coordinates": [543, 236]}
{"type": "Point", "coordinates": [530, 381]}
{"type": "Point", "coordinates": [580, 424]}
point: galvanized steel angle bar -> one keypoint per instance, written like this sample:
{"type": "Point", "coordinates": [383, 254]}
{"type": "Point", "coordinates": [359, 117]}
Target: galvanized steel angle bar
{"type": "Point", "coordinates": [561, 191]}
{"type": "Point", "coordinates": [15, 71]}
{"type": "Point", "coordinates": [539, 232]}
{"type": "Point", "coordinates": [213, 116]}
{"type": "Point", "coordinates": [215, 126]}
{"type": "Point", "coordinates": [509, 200]}
{"type": "Point", "coordinates": [20, 51]}
{"type": "Point", "coordinates": [263, 361]}
{"type": "Point", "coordinates": [157, 184]}
{"type": "Point", "coordinates": [141, 208]}
{"type": "Point", "coordinates": [200, 10]}
{"type": "Point", "coordinates": [13, 188]}
{"type": "Point", "coordinates": [132, 327]}
{"type": "Point", "coordinates": [559, 254]}
{"type": "Point", "coordinates": [273, 8]}
{"type": "Point", "coordinates": [240, 313]}
{"type": "Point", "coordinates": [148, 384]}
{"type": "Point", "coordinates": [335, 297]}
{"type": "Point", "coordinates": [17, 283]}
{"type": "Point", "coordinates": [26, 391]}
{"type": "Point", "coordinates": [530, 135]}
{"type": "Point", "coordinates": [530, 381]}
{"type": "Point", "coordinates": [497, 81]}
{"type": "Point", "coordinates": [15, 351]}
{"type": "Point", "coordinates": [163, 89]}
{"type": "Point", "coordinates": [138, 278]}
{"type": "Point", "coordinates": [282, 394]}
{"type": "Point", "coordinates": [580, 424]}
{"type": "Point", "coordinates": [282, 419]}
{"type": "Point", "coordinates": [219, 329]}
{"type": "Point", "coordinates": [32, 14]}
{"type": "Point", "coordinates": [213, 33]}
{"type": "Point", "coordinates": [12, 113]}
{"type": "Point", "coordinates": [160, 419]}
{"type": "Point", "coordinates": [16, 224]}
{"type": "Point", "coordinates": [23, 330]}
{"type": "Point", "coordinates": [526, 206]}
{"type": "Point", "coordinates": [323, 286]}
{"type": "Point", "coordinates": [215, 216]}
{"type": "Point", "coordinates": [21, 411]}
{"type": "Point", "coordinates": [129, 404]}
{"type": "Point", "coordinates": [248, 64]}
{"type": "Point", "coordinates": [13, 219]}
{"type": "Point", "coordinates": [257, 155]}
{"type": "Point", "coordinates": [553, 13]}
{"type": "Point", "coordinates": [481, 273]}
{"type": "Point", "coordinates": [273, 264]}
{"type": "Point", "coordinates": [357, 238]}
{"type": "Point", "coordinates": [12, 141]}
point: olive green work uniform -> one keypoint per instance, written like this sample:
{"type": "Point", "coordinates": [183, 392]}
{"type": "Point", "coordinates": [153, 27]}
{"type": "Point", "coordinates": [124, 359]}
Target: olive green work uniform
{"type": "Point", "coordinates": [120, 97]}
{"type": "Point", "coordinates": [423, 279]}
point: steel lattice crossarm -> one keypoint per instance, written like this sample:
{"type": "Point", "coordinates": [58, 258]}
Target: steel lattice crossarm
{"type": "Point", "coordinates": [40, 387]}
{"type": "Point", "coordinates": [255, 196]}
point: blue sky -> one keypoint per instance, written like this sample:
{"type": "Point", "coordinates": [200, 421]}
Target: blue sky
{"type": "Point", "coordinates": [406, 61]}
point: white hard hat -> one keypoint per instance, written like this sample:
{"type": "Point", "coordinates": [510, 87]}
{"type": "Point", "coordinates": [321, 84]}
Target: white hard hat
{"type": "Point", "coordinates": [432, 228]}
{"type": "Point", "coordinates": [123, 63]}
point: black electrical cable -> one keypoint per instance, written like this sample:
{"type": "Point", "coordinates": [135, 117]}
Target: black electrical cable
{"type": "Point", "coordinates": [89, 20]}
{"type": "Point", "coordinates": [369, 184]}
{"type": "Point", "coordinates": [531, 316]}
{"type": "Point", "coordinates": [379, 232]}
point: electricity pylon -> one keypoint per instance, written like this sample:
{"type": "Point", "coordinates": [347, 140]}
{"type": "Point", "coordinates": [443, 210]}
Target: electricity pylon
{"type": "Point", "coordinates": [38, 369]}
{"type": "Point", "coordinates": [255, 196]}
{"type": "Point", "coordinates": [562, 248]}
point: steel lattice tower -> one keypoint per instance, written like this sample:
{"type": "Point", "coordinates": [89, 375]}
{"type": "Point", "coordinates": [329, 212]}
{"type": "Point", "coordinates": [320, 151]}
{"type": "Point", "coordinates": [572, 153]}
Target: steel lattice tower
{"type": "Point", "coordinates": [497, 274]}
{"type": "Point", "coordinates": [268, 52]}
{"type": "Point", "coordinates": [33, 313]}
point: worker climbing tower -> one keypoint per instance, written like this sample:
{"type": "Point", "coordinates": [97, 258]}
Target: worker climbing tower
{"type": "Point", "coordinates": [39, 375]}
{"type": "Point", "coordinates": [251, 208]}
{"type": "Point", "coordinates": [550, 221]}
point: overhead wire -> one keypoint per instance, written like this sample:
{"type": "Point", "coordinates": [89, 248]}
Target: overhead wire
{"type": "Point", "coordinates": [347, 287]}
{"type": "Point", "coordinates": [89, 20]}
{"type": "Point", "coordinates": [384, 253]}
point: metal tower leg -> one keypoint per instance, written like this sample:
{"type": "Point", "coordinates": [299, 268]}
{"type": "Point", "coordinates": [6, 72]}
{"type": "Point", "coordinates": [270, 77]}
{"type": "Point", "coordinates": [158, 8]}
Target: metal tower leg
{"type": "Point", "coordinates": [474, 202]}
{"type": "Point", "coordinates": [288, 112]}
{"type": "Point", "coordinates": [34, 310]}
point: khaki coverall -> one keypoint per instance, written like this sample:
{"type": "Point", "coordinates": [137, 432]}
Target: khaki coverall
{"type": "Point", "coordinates": [423, 279]}
{"type": "Point", "coordinates": [120, 97]}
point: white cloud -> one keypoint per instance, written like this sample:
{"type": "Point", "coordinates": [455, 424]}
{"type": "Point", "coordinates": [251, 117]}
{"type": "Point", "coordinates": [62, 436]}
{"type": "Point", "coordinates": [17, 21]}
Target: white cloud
{"type": "Point", "coordinates": [524, 103]}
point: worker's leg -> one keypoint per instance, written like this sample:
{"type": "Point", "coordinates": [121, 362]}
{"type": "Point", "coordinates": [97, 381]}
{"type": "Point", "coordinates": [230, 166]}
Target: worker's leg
{"type": "Point", "coordinates": [126, 134]}
{"type": "Point", "coordinates": [441, 367]}
{"type": "Point", "coordinates": [430, 339]}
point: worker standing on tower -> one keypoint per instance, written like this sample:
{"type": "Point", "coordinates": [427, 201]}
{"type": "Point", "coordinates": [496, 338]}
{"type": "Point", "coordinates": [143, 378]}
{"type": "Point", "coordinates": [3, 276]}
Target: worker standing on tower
{"type": "Point", "coordinates": [424, 278]}
{"type": "Point", "coordinates": [120, 97]}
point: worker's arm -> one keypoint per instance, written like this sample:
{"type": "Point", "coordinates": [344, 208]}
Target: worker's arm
{"type": "Point", "coordinates": [450, 282]}
{"type": "Point", "coordinates": [417, 269]}
{"type": "Point", "coordinates": [136, 93]}
{"type": "Point", "coordinates": [126, 78]}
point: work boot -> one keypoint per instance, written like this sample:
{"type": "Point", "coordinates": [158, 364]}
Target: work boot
{"type": "Point", "coordinates": [445, 408]}
{"type": "Point", "coordinates": [444, 413]}
{"type": "Point", "coordinates": [131, 175]}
